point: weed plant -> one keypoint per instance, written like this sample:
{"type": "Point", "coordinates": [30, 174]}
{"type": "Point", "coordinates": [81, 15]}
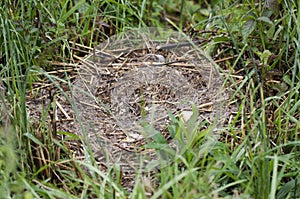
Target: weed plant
{"type": "Point", "coordinates": [256, 45]}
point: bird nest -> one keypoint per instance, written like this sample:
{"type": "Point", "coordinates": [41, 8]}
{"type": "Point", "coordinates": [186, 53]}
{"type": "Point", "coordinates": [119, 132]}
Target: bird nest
{"type": "Point", "coordinates": [130, 86]}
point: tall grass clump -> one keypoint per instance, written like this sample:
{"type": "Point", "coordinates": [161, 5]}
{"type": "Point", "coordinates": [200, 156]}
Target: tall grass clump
{"type": "Point", "coordinates": [39, 38]}
{"type": "Point", "coordinates": [257, 45]}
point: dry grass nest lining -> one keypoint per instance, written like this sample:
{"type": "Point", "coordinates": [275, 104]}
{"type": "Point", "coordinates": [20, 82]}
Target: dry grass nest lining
{"type": "Point", "coordinates": [138, 78]}
{"type": "Point", "coordinates": [125, 81]}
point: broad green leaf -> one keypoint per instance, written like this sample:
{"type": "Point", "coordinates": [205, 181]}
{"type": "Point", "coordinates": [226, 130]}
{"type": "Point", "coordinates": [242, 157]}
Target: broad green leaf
{"type": "Point", "coordinates": [289, 187]}
{"type": "Point", "coordinates": [265, 19]}
{"type": "Point", "coordinates": [248, 27]}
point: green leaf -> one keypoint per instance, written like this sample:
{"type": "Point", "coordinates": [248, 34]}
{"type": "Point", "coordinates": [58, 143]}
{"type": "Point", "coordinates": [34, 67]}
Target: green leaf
{"type": "Point", "coordinates": [172, 130]}
{"type": "Point", "coordinates": [295, 108]}
{"type": "Point", "coordinates": [278, 31]}
{"type": "Point", "coordinates": [247, 28]}
{"type": "Point", "coordinates": [192, 122]}
{"type": "Point", "coordinates": [159, 138]}
{"type": "Point", "coordinates": [265, 19]}
{"type": "Point", "coordinates": [71, 11]}
{"type": "Point", "coordinates": [220, 39]}
{"type": "Point", "coordinates": [291, 187]}
{"type": "Point", "coordinates": [271, 32]}
{"type": "Point", "coordinates": [34, 30]}
{"type": "Point", "coordinates": [151, 132]}
{"type": "Point", "coordinates": [33, 138]}
{"type": "Point", "coordinates": [264, 56]}
{"type": "Point", "coordinates": [69, 136]}
{"type": "Point", "coordinates": [84, 8]}
{"type": "Point", "coordinates": [287, 80]}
